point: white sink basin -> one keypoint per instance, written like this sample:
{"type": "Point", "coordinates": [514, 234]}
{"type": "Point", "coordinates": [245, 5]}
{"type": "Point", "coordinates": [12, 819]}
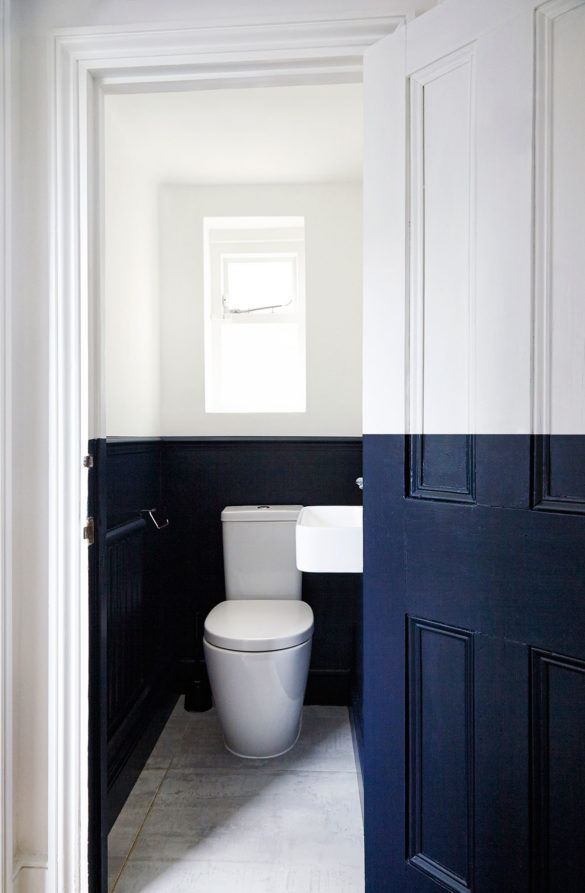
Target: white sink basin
{"type": "Point", "coordinates": [329, 539]}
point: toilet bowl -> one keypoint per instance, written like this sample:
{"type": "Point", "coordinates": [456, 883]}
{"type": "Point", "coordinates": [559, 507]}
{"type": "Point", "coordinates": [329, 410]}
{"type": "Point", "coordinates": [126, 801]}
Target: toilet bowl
{"type": "Point", "coordinates": [257, 643]}
{"type": "Point", "coordinates": [257, 654]}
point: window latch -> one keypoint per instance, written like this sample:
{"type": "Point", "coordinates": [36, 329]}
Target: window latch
{"type": "Point", "coordinates": [228, 309]}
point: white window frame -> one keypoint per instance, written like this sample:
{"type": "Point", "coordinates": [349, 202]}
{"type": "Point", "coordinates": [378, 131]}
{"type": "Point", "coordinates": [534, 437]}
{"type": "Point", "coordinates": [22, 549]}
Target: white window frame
{"type": "Point", "coordinates": [264, 237]}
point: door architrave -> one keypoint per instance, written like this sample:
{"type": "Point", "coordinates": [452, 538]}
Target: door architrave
{"type": "Point", "coordinates": [87, 64]}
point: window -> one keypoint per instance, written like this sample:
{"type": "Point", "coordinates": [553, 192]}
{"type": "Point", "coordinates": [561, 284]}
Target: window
{"type": "Point", "coordinates": [254, 314]}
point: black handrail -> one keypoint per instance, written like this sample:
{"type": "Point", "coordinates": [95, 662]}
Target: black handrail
{"type": "Point", "coordinates": [121, 531]}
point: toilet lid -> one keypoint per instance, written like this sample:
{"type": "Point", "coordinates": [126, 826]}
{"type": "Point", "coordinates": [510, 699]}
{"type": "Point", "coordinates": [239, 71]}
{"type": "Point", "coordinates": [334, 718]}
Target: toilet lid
{"type": "Point", "coordinates": [259, 624]}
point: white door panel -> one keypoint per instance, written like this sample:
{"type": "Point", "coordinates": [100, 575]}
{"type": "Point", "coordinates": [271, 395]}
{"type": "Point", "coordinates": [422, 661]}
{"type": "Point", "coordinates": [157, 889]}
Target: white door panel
{"type": "Point", "coordinates": [455, 23]}
{"type": "Point", "coordinates": [559, 387]}
{"type": "Point", "coordinates": [483, 331]}
{"type": "Point", "coordinates": [503, 229]}
{"type": "Point", "coordinates": [441, 203]}
{"type": "Point", "coordinates": [384, 322]}
{"type": "Point", "coordinates": [470, 224]}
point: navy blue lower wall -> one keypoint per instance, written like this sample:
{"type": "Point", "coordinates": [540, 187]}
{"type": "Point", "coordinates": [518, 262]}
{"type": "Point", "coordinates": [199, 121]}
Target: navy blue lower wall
{"type": "Point", "coordinates": [191, 481]}
{"type": "Point", "coordinates": [161, 584]}
{"type": "Point", "coordinates": [200, 477]}
{"type": "Point", "coordinates": [133, 478]}
{"type": "Point", "coordinates": [138, 618]}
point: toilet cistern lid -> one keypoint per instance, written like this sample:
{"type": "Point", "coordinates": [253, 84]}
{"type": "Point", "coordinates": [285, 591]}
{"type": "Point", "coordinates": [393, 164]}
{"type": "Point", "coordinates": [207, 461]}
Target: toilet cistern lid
{"type": "Point", "coordinates": [259, 624]}
{"type": "Point", "coordinates": [261, 512]}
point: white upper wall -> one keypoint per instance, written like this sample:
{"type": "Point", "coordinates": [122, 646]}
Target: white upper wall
{"type": "Point", "coordinates": [168, 160]}
{"type": "Point", "coordinates": [256, 135]}
{"type": "Point", "coordinates": [131, 286]}
{"type": "Point", "coordinates": [332, 215]}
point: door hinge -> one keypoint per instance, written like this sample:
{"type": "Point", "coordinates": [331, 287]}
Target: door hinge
{"type": "Point", "coordinates": [88, 531]}
{"type": "Point", "coordinates": [88, 461]}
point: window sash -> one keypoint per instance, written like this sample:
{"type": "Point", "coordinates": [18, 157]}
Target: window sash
{"type": "Point", "coordinates": [253, 383]}
{"type": "Point", "coordinates": [268, 298]}
{"type": "Point", "coordinates": [259, 370]}
{"type": "Point", "coordinates": [222, 253]}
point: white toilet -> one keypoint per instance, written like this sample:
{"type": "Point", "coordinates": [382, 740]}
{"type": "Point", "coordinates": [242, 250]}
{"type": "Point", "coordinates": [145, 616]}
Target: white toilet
{"type": "Point", "coordinates": [257, 644]}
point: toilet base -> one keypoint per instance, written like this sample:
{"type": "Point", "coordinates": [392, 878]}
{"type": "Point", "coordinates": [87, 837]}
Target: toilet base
{"type": "Point", "coordinates": [259, 697]}
{"type": "Point", "coordinates": [271, 756]}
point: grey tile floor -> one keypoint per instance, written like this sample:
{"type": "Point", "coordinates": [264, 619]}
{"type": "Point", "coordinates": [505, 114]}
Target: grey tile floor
{"type": "Point", "coordinates": [204, 821]}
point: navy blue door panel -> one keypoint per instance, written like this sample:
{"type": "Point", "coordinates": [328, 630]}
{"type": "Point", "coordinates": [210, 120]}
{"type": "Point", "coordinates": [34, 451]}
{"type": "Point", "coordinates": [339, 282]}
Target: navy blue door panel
{"type": "Point", "coordinates": [501, 762]}
{"type": "Point", "coordinates": [384, 666]}
{"type": "Point", "coordinates": [442, 467]}
{"type": "Point", "coordinates": [474, 575]}
{"type": "Point", "coordinates": [558, 777]}
{"type": "Point", "coordinates": [440, 751]}
{"type": "Point", "coordinates": [559, 474]}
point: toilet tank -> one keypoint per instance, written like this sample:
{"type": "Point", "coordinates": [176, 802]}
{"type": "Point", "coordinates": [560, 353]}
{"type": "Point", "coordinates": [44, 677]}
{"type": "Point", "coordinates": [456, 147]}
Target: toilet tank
{"type": "Point", "coordinates": [259, 551]}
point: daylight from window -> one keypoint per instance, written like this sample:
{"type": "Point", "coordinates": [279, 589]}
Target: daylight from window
{"type": "Point", "coordinates": [254, 314]}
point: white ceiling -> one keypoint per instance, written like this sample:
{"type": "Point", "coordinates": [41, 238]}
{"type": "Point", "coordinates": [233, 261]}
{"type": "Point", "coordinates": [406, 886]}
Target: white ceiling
{"type": "Point", "coordinates": [258, 135]}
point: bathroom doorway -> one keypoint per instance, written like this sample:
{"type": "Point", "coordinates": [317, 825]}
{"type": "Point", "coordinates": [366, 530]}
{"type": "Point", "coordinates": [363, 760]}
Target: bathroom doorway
{"type": "Point", "coordinates": [184, 173]}
{"type": "Point", "coordinates": [527, 485]}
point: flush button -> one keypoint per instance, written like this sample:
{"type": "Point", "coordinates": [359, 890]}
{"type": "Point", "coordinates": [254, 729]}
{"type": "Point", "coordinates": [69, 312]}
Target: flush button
{"type": "Point", "coordinates": [262, 506]}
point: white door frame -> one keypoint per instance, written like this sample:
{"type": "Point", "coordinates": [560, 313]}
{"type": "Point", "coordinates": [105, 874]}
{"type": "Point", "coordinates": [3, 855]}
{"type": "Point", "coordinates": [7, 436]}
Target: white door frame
{"type": "Point", "coordinates": [87, 64]}
{"type": "Point", "coordinates": [6, 655]}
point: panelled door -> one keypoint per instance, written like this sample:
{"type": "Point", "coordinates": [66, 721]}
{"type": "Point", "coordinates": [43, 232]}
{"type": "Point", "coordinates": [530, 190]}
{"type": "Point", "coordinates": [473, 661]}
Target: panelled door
{"type": "Point", "coordinates": [474, 451]}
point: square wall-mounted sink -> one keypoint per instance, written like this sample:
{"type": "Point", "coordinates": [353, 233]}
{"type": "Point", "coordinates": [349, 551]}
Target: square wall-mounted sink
{"type": "Point", "coordinates": [329, 539]}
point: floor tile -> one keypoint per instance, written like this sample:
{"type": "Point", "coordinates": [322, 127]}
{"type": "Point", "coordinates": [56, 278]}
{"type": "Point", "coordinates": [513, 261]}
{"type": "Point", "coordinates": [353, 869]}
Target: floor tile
{"type": "Point", "coordinates": [223, 823]}
{"type": "Point", "coordinates": [168, 744]}
{"type": "Point", "coordinates": [217, 877]}
{"type": "Point", "coordinates": [290, 818]}
{"type": "Point", "coordinates": [134, 811]}
{"type": "Point", "coordinates": [193, 787]}
{"type": "Point", "coordinates": [114, 865]}
{"type": "Point", "coordinates": [324, 744]}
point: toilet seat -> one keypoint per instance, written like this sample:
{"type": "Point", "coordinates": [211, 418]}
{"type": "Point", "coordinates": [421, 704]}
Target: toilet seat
{"type": "Point", "coordinates": [259, 624]}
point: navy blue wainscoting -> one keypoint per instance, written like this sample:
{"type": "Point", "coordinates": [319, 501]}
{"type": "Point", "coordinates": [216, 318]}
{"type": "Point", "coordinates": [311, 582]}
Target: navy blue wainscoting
{"type": "Point", "coordinates": [199, 478]}
{"type": "Point", "coordinates": [474, 663]}
{"type": "Point", "coordinates": [158, 586]}
{"type": "Point", "coordinates": [140, 619]}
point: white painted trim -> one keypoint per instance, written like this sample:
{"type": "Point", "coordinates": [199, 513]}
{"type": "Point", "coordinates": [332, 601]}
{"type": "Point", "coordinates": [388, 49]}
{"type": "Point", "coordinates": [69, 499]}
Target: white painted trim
{"type": "Point", "coordinates": [415, 374]}
{"type": "Point", "coordinates": [6, 844]}
{"type": "Point", "coordinates": [28, 862]}
{"type": "Point", "coordinates": [30, 876]}
{"type": "Point", "coordinates": [87, 63]}
{"type": "Point", "coordinates": [153, 40]}
{"type": "Point", "coordinates": [68, 572]}
{"type": "Point", "coordinates": [545, 16]}
{"type": "Point", "coordinates": [541, 253]}
{"type": "Point", "coordinates": [416, 286]}
{"type": "Point", "coordinates": [384, 237]}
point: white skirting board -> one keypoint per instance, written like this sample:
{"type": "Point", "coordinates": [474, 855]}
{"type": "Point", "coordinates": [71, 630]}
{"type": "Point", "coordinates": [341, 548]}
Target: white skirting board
{"type": "Point", "coordinates": [31, 879]}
